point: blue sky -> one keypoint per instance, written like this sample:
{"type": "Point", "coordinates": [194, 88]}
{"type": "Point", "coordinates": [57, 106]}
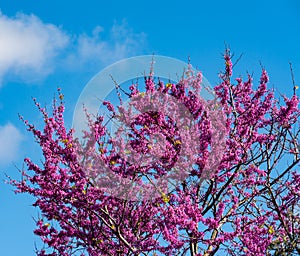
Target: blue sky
{"type": "Point", "coordinates": [49, 44]}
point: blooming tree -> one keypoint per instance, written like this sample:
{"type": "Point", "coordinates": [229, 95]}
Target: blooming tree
{"type": "Point", "coordinates": [240, 195]}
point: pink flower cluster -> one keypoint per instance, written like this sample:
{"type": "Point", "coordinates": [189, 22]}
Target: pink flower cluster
{"type": "Point", "coordinates": [245, 200]}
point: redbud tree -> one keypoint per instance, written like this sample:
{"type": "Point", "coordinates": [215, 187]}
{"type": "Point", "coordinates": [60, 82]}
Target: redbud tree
{"type": "Point", "coordinates": [236, 190]}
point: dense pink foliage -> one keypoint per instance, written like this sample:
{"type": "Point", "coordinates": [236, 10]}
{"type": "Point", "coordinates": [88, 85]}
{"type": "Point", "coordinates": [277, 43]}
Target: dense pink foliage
{"type": "Point", "coordinates": [249, 204]}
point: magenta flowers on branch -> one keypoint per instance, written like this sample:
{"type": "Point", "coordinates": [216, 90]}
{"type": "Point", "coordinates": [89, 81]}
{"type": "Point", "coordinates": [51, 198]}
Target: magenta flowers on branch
{"type": "Point", "coordinates": [192, 177]}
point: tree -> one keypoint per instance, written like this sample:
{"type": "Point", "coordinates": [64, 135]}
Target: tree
{"type": "Point", "coordinates": [242, 201]}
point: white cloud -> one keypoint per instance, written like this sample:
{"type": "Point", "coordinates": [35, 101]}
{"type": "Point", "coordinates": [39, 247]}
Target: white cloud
{"type": "Point", "coordinates": [120, 42]}
{"type": "Point", "coordinates": [28, 46]}
{"type": "Point", "coordinates": [31, 49]}
{"type": "Point", "coordinates": [10, 139]}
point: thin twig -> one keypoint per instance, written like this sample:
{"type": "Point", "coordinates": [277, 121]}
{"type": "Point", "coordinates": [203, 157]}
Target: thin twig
{"type": "Point", "coordinates": [293, 79]}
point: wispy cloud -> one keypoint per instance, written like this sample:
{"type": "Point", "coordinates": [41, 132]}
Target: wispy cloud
{"type": "Point", "coordinates": [10, 140]}
{"type": "Point", "coordinates": [28, 46]}
{"type": "Point", "coordinates": [103, 47]}
{"type": "Point", "coordinates": [31, 49]}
